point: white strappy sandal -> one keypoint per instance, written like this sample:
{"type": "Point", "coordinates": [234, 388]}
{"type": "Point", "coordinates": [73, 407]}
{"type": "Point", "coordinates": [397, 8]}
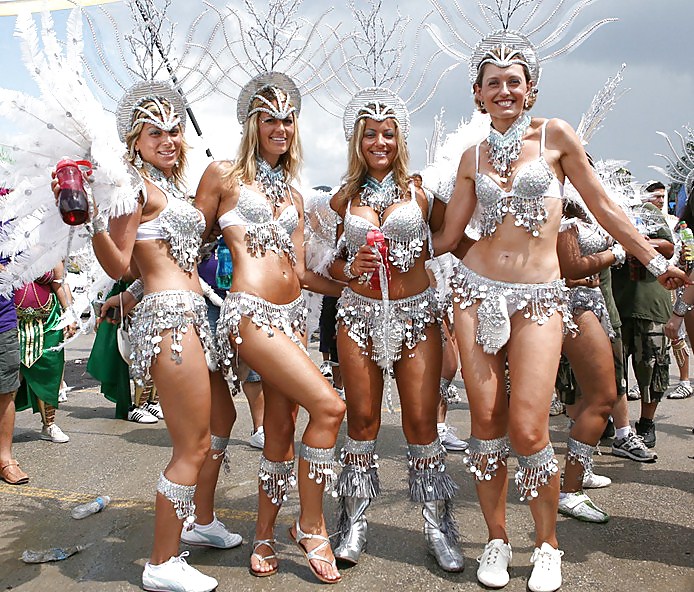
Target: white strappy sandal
{"type": "Point", "coordinates": [256, 545]}
{"type": "Point", "coordinates": [314, 553]}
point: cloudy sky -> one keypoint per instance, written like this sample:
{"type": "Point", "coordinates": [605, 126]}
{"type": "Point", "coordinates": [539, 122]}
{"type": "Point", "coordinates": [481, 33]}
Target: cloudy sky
{"type": "Point", "coordinates": [653, 37]}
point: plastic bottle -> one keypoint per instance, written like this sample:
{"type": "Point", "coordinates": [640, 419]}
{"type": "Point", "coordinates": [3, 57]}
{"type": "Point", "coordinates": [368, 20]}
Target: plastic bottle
{"type": "Point", "coordinates": [84, 510]}
{"type": "Point", "coordinates": [376, 239]}
{"type": "Point", "coordinates": [72, 198]}
{"type": "Point", "coordinates": [225, 267]}
{"type": "Point", "coordinates": [687, 237]}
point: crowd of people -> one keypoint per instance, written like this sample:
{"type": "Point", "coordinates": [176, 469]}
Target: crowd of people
{"type": "Point", "coordinates": [533, 285]}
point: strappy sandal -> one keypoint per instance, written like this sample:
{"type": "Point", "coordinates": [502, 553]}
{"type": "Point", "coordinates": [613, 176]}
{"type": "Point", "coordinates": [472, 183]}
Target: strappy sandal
{"type": "Point", "coordinates": [256, 545]}
{"type": "Point", "coordinates": [313, 554]}
{"type": "Point", "coordinates": [12, 474]}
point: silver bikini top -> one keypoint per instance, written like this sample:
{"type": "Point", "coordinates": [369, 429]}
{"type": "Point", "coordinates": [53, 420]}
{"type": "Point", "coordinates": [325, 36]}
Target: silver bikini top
{"type": "Point", "coordinates": [591, 238]}
{"type": "Point", "coordinates": [179, 223]}
{"type": "Point", "coordinates": [533, 182]}
{"type": "Point", "coordinates": [404, 228]}
{"type": "Point", "coordinates": [263, 231]}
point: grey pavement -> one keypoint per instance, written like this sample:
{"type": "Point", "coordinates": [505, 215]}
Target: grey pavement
{"type": "Point", "coordinates": [646, 546]}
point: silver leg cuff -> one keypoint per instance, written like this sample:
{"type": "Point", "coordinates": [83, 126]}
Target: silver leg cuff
{"type": "Point", "coordinates": [483, 457]}
{"type": "Point", "coordinates": [276, 478]}
{"type": "Point", "coordinates": [181, 496]}
{"type": "Point", "coordinates": [321, 466]}
{"type": "Point", "coordinates": [218, 448]}
{"type": "Point", "coordinates": [428, 478]}
{"type": "Point", "coordinates": [535, 471]}
{"type": "Point", "coordinates": [359, 476]}
{"type": "Point", "coordinates": [580, 452]}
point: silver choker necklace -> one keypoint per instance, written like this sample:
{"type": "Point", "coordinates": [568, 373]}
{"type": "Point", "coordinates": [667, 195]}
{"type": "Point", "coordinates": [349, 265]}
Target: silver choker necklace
{"type": "Point", "coordinates": [271, 181]}
{"type": "Point", "coordinates": [166, 184]}
{"type": "Point", "coordinates": [504, 149]}
{"type": "Point", "coordinates": [380, 195]}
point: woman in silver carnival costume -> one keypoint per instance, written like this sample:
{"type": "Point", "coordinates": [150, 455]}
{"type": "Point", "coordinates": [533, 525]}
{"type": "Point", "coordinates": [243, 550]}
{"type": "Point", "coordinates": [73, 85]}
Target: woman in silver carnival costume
{"type": "Point", "coordinates": [511, 307]}
{"type": "Point", "coordinates": [263, 316]}
{"type": "Point", "coordinates": [162, 238]}
{"type": "Point", "coordinates": [393, 324]}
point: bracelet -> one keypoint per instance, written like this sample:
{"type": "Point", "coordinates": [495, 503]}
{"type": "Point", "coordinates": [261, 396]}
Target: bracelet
{"type": "Point", "coordinates": [681, 308]}
{"type": "Point", "coordinates": [619, 253]}
{"type": "Point", "coordinates": [95, 226]}
{"type": "Point", "coordinates": [347, 270]}
{"type": "Point", "coordinates": [658, 265]}
{"type": "Point", "coordinates": [136, 290]}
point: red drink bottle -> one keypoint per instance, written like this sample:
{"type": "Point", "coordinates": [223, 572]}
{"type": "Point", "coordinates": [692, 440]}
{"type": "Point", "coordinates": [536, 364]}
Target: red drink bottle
{"type": "Point", "coordinates": [375, 238]}
{"type": "Point", "coordinates": [72, 198]}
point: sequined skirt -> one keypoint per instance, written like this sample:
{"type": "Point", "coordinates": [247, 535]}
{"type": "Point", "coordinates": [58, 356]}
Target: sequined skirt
{"type": "Point", "coordinates": [500, 300]}
{"type": "Point", "coordinates": [387, 324]}
{"type": "Point", "coordinates": [290, 319]}
{"type": "Point", "coordinates": [591, 299]}
{"type": "Point", "coordinates": [173, 310]}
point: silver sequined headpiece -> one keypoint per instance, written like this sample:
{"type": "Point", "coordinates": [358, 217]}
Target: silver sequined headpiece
{"type": "Point", "coordinates": [130, 111]}
{"type": "Point", "coordinates": [680, 166]}
{"type": "Point", "coordinates": [517, 45]}
{"type": "Point", "coordinates": [286, 93]}
{"type": "Point", "coordinates": [378, 104]}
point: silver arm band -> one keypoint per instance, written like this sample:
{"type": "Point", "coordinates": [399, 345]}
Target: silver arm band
{"type": "Point", "coordinates": [681, 308]}
{"type": "Point", "coordinates": [619, 253]}
{"type": "Point", "coordinates": [347, 270]}
{"type": "Point", "coordinates": [136, 290]}
{"type": "Point", "coordinates": [658, 265]}
{"type": "Point", "coordinates": [95, 226]}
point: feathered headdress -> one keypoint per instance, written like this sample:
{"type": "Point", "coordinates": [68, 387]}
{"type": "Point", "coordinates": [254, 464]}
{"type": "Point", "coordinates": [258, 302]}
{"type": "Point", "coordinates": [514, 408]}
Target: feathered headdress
{"type": "Point", "coordinates": [680, 164]}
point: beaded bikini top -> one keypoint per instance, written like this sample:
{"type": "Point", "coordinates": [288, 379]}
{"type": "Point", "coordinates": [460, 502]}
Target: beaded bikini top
{"type": "Point", "coordinates": [404, 227]}
{"type": "Point", "coordinates": [534, 181]}
{"type": "Point", "coordinates": [263, 231]}
{"type": "Point", "coordinates": [591, 238]}
{"type": "Point", "coordinates": [179, 223]}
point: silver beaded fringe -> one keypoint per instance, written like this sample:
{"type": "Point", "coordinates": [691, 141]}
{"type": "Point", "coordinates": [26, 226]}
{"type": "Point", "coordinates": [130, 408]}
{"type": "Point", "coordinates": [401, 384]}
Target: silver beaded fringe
{"type": "Point", "coordinates": [321, 466]}
{"type": "Point", "coordinates": [181, 496]}
{"type": "Point", "coordinates": [276, 479]}
{"type": "Point", "coordinates": [359, 475]}
{"type": "Point", "coordinates": [218, 447]}
{"type": "Point", "coordinates": [535, 471]}
{"type": "Point", "coordinates": [428, 478]}
{"type": "Point", "coordinates": [580, 452]}
{"type": "Point", "coordinates": [483, 457]}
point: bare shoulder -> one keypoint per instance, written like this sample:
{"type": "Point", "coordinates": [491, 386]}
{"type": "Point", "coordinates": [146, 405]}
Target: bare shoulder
{"type": "Point", "coordinates": [559, 130]}
{"type": "Point", "coordinates": [338, 201]}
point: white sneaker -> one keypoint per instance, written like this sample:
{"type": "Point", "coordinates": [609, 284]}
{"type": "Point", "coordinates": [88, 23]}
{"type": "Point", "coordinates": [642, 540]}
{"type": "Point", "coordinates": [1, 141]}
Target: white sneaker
{"type": "Point", "coordinates": [214, 534]}
{"type": "Point", "coordinates": [578, 505]}
{"type": "Point", "coordinates": [340, 392]}
{"type": "Point", "coordinates": [54, 434]}
{"type": "Point", "coordinates": [449, 440]}
{"type": "Point", "coordinates": [681, 391]}
{"type": "Point", "coordinates": [494, 562]}
{"type": "Point", "coordinates": [62, 393]}
{"type": "Point", "coordinates": [257, 439]}
{"type": "Point", "coordinates": [153, 409]}
{"type": "Point", "coordinates": [326, 369]}
{"type": "Point", "coordinates": [141, 415]}
{"type": "Point", "coordinates": [593, 481]}
{"type": "Point", "coordinates": [176, 575]}
{"type": "Point", "coordinates": [546, 574]}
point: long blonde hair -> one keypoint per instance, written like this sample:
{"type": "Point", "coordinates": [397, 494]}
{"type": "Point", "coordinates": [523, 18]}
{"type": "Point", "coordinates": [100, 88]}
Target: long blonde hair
{"type": "Point", "coordinates": [357, 169]}
{"type": "Point", "coordinates": [244, 167]}
{"type": "Point", "coordinates": [132, 136]}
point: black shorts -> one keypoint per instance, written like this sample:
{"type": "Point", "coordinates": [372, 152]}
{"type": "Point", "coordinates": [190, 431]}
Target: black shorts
{"type": "Point", "coordinates": [327, 328]}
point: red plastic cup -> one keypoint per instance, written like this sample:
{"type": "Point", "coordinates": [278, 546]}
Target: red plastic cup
{"type": "Point", "coordinates": [375, 238]}
{"type": "Point", "coordinates": [72, 198]}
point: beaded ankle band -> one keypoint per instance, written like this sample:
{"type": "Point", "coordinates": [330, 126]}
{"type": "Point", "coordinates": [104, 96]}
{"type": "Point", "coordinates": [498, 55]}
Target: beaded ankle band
{"type": "Point", "coordinates": [428, 478]}
{"type": "Point", "coordinates": [181, 496]}
{"type": "Point", "coordinates": [276, 479]}
{"type": "Point", "coordinates": [321, 466]}
{"type": "Point", "coordinates": [535, 471]}
{"type": "Point", "coordinates": [218, 448]}
{"type": "Point", "coordinates": [483, 457]}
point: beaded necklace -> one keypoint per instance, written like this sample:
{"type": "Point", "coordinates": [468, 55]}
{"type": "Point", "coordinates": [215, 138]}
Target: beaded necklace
{"type": "Point", "coordinates": [504, 149]}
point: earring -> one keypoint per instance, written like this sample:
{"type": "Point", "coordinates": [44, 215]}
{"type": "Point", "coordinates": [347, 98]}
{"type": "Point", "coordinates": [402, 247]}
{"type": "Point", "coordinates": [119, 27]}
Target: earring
{"type": "Point", "coordinates": [525, 102]}
{"type": "Point", "coordinates": [137, 161]}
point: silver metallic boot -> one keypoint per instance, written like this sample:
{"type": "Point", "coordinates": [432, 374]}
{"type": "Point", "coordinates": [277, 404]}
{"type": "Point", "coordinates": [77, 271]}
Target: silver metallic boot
{"type": "Point", "coordinates": [432, 486]}
{"type": "Point", "coordinates": [353, 533]}
{"type": "Point", "coordinates": [440, 535]}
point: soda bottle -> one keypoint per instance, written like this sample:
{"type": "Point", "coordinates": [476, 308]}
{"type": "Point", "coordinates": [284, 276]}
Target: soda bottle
{"type": "Point", "coordinates": [225, 267]}
{"type": "Point", "coordinates": [375, 238]}
{"type": "Point", "coordinates": [687, 237]}
{"type": "Point", "coordinates": [84, 510]}
{"type": "Point", "coordinates": [72, 198]}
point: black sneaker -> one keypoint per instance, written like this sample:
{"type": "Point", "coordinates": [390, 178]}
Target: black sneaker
{"type": "Point", "coordinates": [647, 433]}
{"type": "Point", "coordinates": [609, 430]}
{"type": "Point", "coordinates": [633, 447]}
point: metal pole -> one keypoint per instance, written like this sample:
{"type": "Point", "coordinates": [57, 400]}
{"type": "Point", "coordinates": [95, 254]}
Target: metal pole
{"type": "Point", "coordinates": [157, 43]}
